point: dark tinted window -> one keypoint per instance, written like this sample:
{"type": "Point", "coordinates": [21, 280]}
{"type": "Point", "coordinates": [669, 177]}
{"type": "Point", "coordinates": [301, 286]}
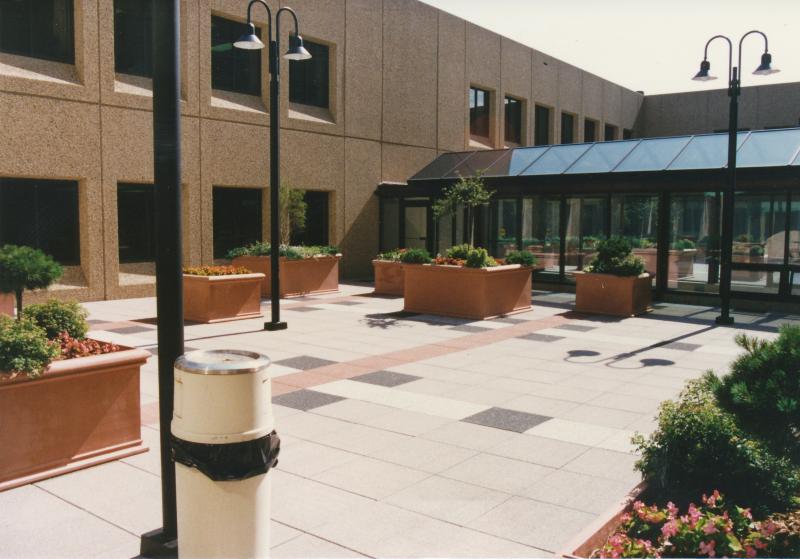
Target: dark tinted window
{"type": "Point", "coordinates": [513, 120]}
{"type": "Point", "coordinates": [38, 28]}
{"type": "Point", "coordinates": [541, 135]}
{"type": "Point", "coordinates": [133, 36]}
{"type": "Point", "coordinates": [136, 222]}
{"type": "Point", "coordinates": [610, 133]}
{"type": "Point", "coordinates": [42, 214]}
{"type": "Point", "coordinates": [233, 69]}
{"type": "Point", "coordinates": [309, 79]}
{"type": "Point", "coordinates": [479, 112]}
{"type": "Point", "coordinates": [589, 130]}
{"type": "Point", "coordinates": [567, 128]}
{"type": "Point", "coordinates": [237, 218]}
{"type": "Point", "coordinates": [316, 229]}
{"type": "Point", "coordinates": [627, 134]}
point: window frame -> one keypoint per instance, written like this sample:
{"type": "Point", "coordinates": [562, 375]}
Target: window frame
{"type": "Point", "coordinates": [566, 115]}
{"type": "Point", "coordinates": [146, 35]}
{"type": "Point", "coordinates": [510, 100]}
{"type": "Point", "coordinates": [594, 124]}
{"type": "Point", "coordinates": [151, 219]}
{"type": "Point", "coordinates": [614, 129]}
{"type": "Point", "coordinates": [308, 66]}
{"type": "Point", "coordinates": [475, 131]}
{"type": "Point", "coordinates": [234, 65]}
{"type": "Point", "coordinates": [222, 252]}
{"type": "Point", "coordinates": [35, 27]}
{"type": "Point", "coordinates": [538, 109]}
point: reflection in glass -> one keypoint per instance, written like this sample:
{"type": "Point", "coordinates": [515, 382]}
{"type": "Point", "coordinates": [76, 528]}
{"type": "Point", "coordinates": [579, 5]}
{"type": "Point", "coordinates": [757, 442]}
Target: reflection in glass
{"type": "Point", "coordinates": [587, 223]}
{"type": "Point", "coordinates": [390, 224]}
{"type": "Point", "coordinates": [540, 232]}
{"type": "Point", "coordinates": [694, 242]}
{"type": "Point", "coordinates": [653, 154]}
{"type": "Point", "coordinates": [635, 217]}
{"type": "Point", "coordinates": [769, 148]}
{"type": "Point", "coordinates": [505, 227]}
{"type": "Point", "coordinates": [416, 227]}
{"type": "Point", "coordinates": [759, 237]}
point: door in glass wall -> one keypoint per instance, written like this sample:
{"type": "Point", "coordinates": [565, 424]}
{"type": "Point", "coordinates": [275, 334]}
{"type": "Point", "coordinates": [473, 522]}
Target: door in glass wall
{"type": "Point", "coordinates": [759, 239]}
{"type": "Point", "coordinates": [390, 224]}
{"type": "Point", "coordinates": [504, 233]}
{"type": "Point", "coordinates": [415, 222]}
{"type": "Point", "coordinates": [540, 233]}
{"type": "Point", "coordinates": [586, 223]}
{"type": "Point", "coordinates": [694, 237]}
{"type": "Point", "coordinates": [793, 255]}
{"type": "Point", "coordinates": [635, 218]}
{"type": "Point", "coordinates": [450, 231]}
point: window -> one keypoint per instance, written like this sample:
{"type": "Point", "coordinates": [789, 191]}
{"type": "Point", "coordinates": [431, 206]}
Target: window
{"type": "Point", "coordinates": [610, 133]}
{"type": "Point", "coordinates": [233, 69]}
{"type": "Point", "coordinates": [479, 103]}
{"type": "Point", "coordinates": [589, 130]}
{"type": "Point", "coordinates": [42, 214]}
{"type": "Point", "coordinates": [136, 222]}
{"type": "Point", "coordinates": [133, 35]}
{"type": "Point", "coordinates": [309, 79]}
{"type": "Point", "coordinates": [541, 136]}
{"type": "Point", "coordinates": [627, 133]}
{"type": "Point", "coordinates": [38, 28]}
{"type": "Point", "coordinates": [237, 218]}
{"type": "Point", "coordinates": [567, 128]}
{"type": "Point", "coordinates": [513, 120]}
{"type": "Point", "coordinates": [316, 229]}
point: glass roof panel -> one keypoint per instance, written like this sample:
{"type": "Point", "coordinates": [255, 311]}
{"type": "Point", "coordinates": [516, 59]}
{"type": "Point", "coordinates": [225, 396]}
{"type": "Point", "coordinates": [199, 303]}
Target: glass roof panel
{"type": "Point", "coordinates": [769, 148]}
{"type": "Point", "coordinates": [557, 159]}
{"type": "Point", "coordinates": [653, 154]}
{"type": "Point", "coordinates": [706, 152]}
{"type": "Point", "coordinates": [478, 161]}
{"type": "Point", "coordinates": [602, 157]}
{"type": "Point", "coordinates": [515, 161]}
{"type": "Point", "coordinates": [441, 165]}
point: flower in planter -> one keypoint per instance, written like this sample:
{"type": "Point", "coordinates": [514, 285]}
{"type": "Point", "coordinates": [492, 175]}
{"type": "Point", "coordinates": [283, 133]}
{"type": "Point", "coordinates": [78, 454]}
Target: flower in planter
{"type": "Point", "coordinates": [260, 248]}
{"type": "Point", "coordinates": [216, 271]}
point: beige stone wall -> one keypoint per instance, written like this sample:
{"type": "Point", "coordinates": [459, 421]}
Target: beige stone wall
{"type": "Point", "coordinates": [400, 74]}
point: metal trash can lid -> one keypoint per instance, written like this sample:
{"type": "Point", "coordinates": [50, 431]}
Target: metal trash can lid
{"type": "Point", "coordinates": [222, 362]}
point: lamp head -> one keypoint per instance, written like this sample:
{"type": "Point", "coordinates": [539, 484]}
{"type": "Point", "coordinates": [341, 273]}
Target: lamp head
{"type": "Point", "coordinates": [296, 49]}
{"type": "Point", "coordinates": [765, 68]}
{"type": "Point", "coordinates": [703, 75]}
{"type": "Point", "coordinates": [249, 41]}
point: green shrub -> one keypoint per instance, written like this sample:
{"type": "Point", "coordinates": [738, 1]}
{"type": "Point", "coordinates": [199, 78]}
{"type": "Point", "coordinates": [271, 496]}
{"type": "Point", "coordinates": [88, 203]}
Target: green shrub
{"type": "Point", "coordinates": [459, 252]}
{"type": "Point", "coordinates": [479, 258]}
{"type": "Point", "coordinates": [24, 347]}
{"type": "Point", "coordinates": [520, 257]}
{"type": "Point", "coordinates": [763, 390]}
{"type": "Point", "coordinates": [415, 256]}
{"type": "Point", "coordinates": [392, 255]}
{"type": "Point", "coordinates": [642, 242]}
{"type": "Point", "coordinates": [683, 244]}
{"type": "Point", "coordinates": [614, 257]}
{"type": "Point", "coordinates": [698, 446]}
{"type": "Point", "coordinates": [756, 250]}
{"type": "Point", "coordinates": [22, 268]}
{"type": "Point", "coordinates": [258, 248]}
{"type": "Point", "coordinates": [59, 316]}
{"type": "Point", "coordinates": [261, 248]}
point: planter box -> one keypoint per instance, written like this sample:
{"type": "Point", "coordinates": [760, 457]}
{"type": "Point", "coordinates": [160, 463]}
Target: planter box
{"type": "Point", "coordinates": [7, 304]}
{"type": "Point", "coordinates": [218, 298]}
{"type": "Point", "coordinates": [612, 295]}
{"type": "Point", "coordinates": [680, 262]}
{"type": "Point", "coordinates": [749, 275]}
{"type": "Point", "coordinates": [388, 277]}
{"type": "Point", "coordinates": [298, 277]}
{"type": "Point", "coordinates": [79, 413]}
{"type": "Point", "coordinates": [597, 533]}
{"type": "Point", "coordinates": [476, 293]}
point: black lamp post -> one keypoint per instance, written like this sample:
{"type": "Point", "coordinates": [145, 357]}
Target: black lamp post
{"type": "Point", "coordinates": [297, 51]}
{"type": "Point", "coordinates": [734, 90]}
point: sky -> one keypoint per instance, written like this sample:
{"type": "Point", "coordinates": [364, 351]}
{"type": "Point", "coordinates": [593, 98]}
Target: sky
{"type": "Point", "coordinates": [653, 46]}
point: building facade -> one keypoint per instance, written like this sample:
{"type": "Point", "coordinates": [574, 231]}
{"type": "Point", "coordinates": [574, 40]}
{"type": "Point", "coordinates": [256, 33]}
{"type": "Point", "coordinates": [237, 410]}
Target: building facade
{"type": "Point", "coordinates": [392, 85]}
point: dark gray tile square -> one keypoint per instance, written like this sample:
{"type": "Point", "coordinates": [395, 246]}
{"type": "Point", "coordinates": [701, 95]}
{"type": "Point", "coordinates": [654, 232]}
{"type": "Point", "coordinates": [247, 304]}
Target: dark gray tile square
{"type": "Point", "coordinates": [541, 337]}
{"type": "Point", "coordinates": [469, 328]}
{"type": "Point", "coordinates": [509, 320]}
{"type": "Point", "coordinates": [303, 309]}
{"type": "Point", "coordinates": [305, 399]}
{"type": "Point", "coordinates": [186, 349]}
{"type": "Point", "coordinates": [386, 378]}
{"type": "Point", "coordinates": [683, 346]}
{"type": "Point", "coordinates": [304, 362]}
{"type": "Point", "coordinates": [347, 303]}
{"type": "Point", "coordinates": [132, 330]}
{"type": "Point", "coordinates": [510, 420]}
{"type": "Point", "coordinates": [576, 327]}
{"type": "Point", "coordinates": [94, 322]}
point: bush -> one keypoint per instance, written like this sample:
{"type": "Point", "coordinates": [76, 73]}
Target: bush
{"type": "Point", "coordinates": [683, 244]}
{"type": "Point", "coordinates": [415, 256]}
{"type": "Point", "coordinates": [523, 258]}
{"type": "Point", "coordinates": [479, 258]}
{"type": "Point", "coordinates": [22, 268]}
{"type": "Point", "coordinates": [392, 255]}
{"type": "Point", "coordinates": [260, 248]}
{"type": "Point", "coordinates": [614, 257]}
{"type": "Point", "coordinates": [763, 390]}
{"type": "Point", "coordinates": [59, 316]}
{"type": "Point", "coordinates": [698, 445]}
{"type": "Point", "coordinates": [24, 347]}
{"type": "Point", "coordinates": [216, 271]}
{"type": "Point", "coordinates": [458, 252]}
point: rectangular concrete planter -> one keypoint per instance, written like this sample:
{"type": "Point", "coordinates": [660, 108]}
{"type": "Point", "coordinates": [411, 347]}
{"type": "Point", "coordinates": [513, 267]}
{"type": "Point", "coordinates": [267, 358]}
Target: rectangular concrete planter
{"type": "Point", "coordinates": [297, 277]}
{"type": "Point", "coordinates": [79, 413]}
{"type": "Point", "coordinates": [680, 262]}
{"type": "Point", "coordinates": [461, 292]}
{"type": "Point", "coordinates": [218, 298]}
{"type": "Point", "coordinates": [7, 304]}
{"type": "Point", "coordinates": [388, 277]}
{"type": "Point", "coordinates": [612, 295]}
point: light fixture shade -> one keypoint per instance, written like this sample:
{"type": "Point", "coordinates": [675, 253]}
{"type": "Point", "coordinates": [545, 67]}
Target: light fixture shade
{"type": "Point", "coordinates": [296, 49]}
{"type": "Point", "coordinates": [703, 75]}
{"type": "Point", "coordinates": [765, 68]}
{"type": "Point", "coordinates": [249, 41]}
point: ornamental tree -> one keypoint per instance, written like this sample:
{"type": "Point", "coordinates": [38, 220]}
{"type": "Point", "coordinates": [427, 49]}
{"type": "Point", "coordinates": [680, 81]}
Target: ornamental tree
{"type": "Point", "coordinates": [293, 208]}
{"type": "Point", "coordinates": [468, 193]}
{"type": "Point", "coordinates": [22, 268]}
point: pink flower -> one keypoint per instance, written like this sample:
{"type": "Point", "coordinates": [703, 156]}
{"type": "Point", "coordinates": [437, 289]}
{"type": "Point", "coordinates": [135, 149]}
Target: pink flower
{"type": "Point", "coordinates": [669, 529]}
{"type": "Point", "coordinates": [694, 514]}
{"type": "Point", "coordinates": [707, 548]}
{"type": "Point", "coordinates": [760, 544]}
{"type": "Point", "coordinates": [768, 528]}
{"type": "Point", "coordinates": [750, 551]}
{"type": "Point", "coordinates": [672, 509]}
{"type": "Point", "coordinates": [747, 514]}
{"type": "Point", "coordinates": [712, 501]}
{"type": "Point", "coordinates": [710, 528]}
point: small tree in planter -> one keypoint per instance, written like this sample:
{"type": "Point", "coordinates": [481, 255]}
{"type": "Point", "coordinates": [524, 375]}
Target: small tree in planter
{"type": "Point", "coordinates": [469, 193]}
{"type": "Point", "coordinates": [22, 268]}
{"type": "Point", "coordinates": [293, 210]}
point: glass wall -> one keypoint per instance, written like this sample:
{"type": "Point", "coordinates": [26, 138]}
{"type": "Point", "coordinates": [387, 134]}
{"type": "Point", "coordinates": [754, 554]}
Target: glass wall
{"type": "Point", "coordinates": [586, 223]}
{"type": "Point", "coordinates": [759, 237]}
{"type": "Point", "coordinates": [635, 217]}
{"type": "Point", "coordinates": [694, 235]}
{"type": "Point", "coordinates": [390, 224]}
{"type": "Point", "coordinates": [540, 232]}
{"type": "Point", "coordinates": [794, 246]}
{"type": "Point", "coordinates": [504, 224]}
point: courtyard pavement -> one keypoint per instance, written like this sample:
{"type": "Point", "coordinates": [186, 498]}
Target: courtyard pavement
{"type": "Point", "coordinates": [407, 435]}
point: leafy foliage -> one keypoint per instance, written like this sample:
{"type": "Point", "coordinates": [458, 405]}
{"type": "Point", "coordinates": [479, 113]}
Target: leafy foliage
{"type": "Point", "coordinates": [459, 252]}
{"type": "Point", "coordinates": [415, 256]}
{"type": "Point", "coordinates": [293, 208]}
{"type": "Point", "coordinates": [469, 193]}
{"type": "Point", "coordinates": [522, 257]}
{"type": "Point", "coordinates": [24, 347]}
{"type": "Point", "coordinates": [614, 257]}
{"type": "Point", "coordinates": [216, 271]}
{"type": "Point", "coordinates": [392, 255]}
{"type": "Point", "coordinates": [683, 244]}
{"type": "Point", "coordinates": [59, 316]}
{"type": "Point", "coordinates": [261, 248]}
{"type": "Point", "coordinates": [479, 258]}
{"type": "Point", "coordinates": [22, 268]}
{"type": "Point", "coordinates": [71, 347]}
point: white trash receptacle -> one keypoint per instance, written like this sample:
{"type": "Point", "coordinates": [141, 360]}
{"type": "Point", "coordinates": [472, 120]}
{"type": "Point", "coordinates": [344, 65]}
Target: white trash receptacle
{"type": "Point", "coordinates": [224, 443]}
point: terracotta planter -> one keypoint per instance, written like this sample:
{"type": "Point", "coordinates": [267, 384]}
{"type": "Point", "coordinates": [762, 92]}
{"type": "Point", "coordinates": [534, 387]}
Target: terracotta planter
{"type": "Point", "coordinates": [7, 304]}
{"type": "Point", "coordinates": [612, 295]}
{"type": "Point", "coordinates": [79, 413]}
{"type": "Point", "coordinates": [597, 533]}
{"type": "Point", "coordinates": [748, 275]}
{"type": "Point", "coordinates": [546, 259]}
{"type": "Point", "coordinates": [476, 293]}
{"type": "Point", "coordinates": [680, 262]}
{"type": "Point", "coordinates": [388, 277]}
{"type": "Point", "coordinates": [298, 277]}
{"type": "Point", "coordinates": [219, 298]}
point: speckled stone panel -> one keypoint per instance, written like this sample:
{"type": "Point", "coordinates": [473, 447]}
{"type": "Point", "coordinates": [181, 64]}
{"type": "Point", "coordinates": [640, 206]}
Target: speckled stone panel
{"type": "Point", "coordinates": [453, 117]}
{"type": "Point", "coordinates": [545, 79]}
{"type": "Point", "coordinates": [401, 162]}
{"type": "Point", "coordinates": [631, 109]}
{"type": "Point", "coordinates": [364, 55]}
{"type": "Point", "coordinates": [570, 79]}
{"type": "Point", "coordinates": [362, 174]}
{"type": "Point", "coordinates": [516, 63]}
{"type": "Point", "coordinates": [592, 97]}
{"type": "Point", "coordinates": [612, 104]}
{"type": "Point", "coordinates": [483, 70]}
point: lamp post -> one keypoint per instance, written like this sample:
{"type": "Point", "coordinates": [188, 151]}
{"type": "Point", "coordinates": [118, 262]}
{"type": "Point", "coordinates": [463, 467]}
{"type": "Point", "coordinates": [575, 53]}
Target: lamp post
{"type": "Point", "coordinates": [734, 90]}
{"type": "Point", "coordinates": [250, 41]}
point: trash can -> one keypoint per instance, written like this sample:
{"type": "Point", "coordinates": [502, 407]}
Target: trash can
{"type": "Point", "coordinates": [223, 444]}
